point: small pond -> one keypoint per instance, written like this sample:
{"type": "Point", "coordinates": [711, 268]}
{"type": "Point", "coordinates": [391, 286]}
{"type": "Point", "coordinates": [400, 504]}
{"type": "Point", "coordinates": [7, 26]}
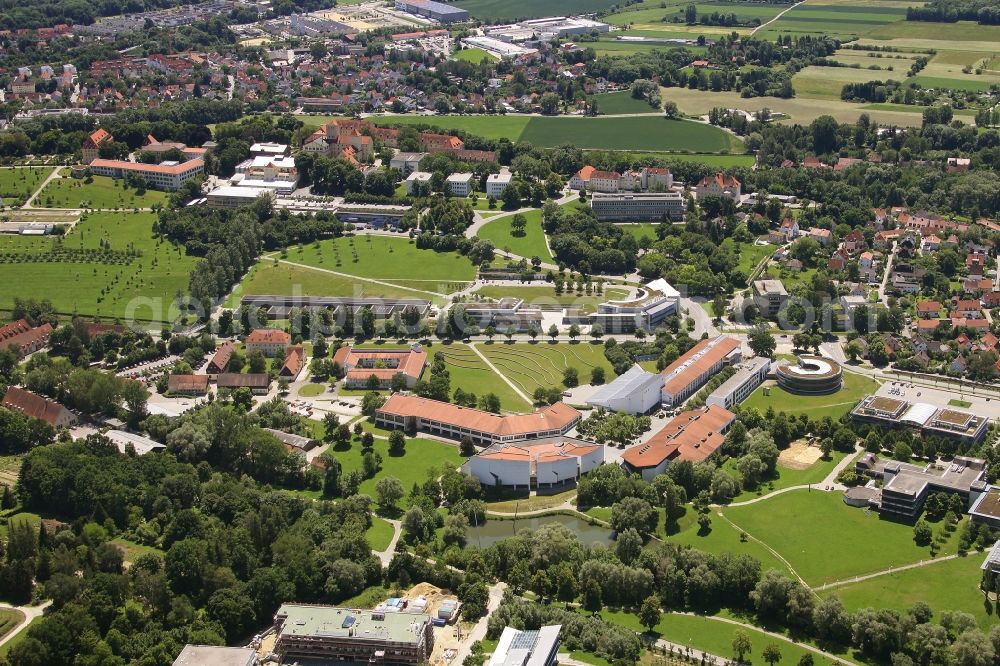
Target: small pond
{"type": "Point", "coordinates": [495, 530]}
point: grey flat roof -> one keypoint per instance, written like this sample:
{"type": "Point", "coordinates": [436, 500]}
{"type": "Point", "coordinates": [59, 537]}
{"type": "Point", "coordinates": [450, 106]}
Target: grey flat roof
{"type": "Point", "coordinates": [331, 621]}
{"type": "Point", "coordinates": [626, 384]}
{"type": "Point", "coordinates": [212, 655]}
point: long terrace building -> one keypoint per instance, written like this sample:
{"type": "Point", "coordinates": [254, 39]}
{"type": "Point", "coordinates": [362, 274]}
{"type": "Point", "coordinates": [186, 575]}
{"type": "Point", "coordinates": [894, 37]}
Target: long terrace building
{"type": "Point", "coordinates": [412, 413]}
{"type": "Point", "coordinates": [637, 206]}
{"type": "Point", "coordinates": [695, 367]}
{"type": "Point", "coordinates": [328, 633]}
{"type": "Point", "coordinates": [278, 307]}
{"type": "Point", "coordinates": [163, 176]}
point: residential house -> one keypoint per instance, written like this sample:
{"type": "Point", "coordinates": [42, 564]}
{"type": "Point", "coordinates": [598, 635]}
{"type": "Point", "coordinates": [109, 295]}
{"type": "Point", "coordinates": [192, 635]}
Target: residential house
{"type": "Point", "coordinates": [91, 148]}
{"type": "Point", "coordinates": [720, 185]}
{"type": "Point", "coordinates": [821, 236]}
{"type": "Point", "coordinates": [789, 228]}
{"type": "Point", "coordinates": [928, 309]}
{"type": "Point", "coordinates": [220, 360]}
{"type": "Point", "coordinates": [968, 308]}
{"type": "Point", "coordinates": [23, 337]}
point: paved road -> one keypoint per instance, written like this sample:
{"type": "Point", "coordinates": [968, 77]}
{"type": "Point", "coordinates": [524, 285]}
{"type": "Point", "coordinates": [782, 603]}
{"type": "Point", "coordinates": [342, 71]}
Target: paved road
{"type": "Point", "coordinates": [885, 277]}
{"type": "Point", "coordinates": [478, 632]}
{"type": "Point", "coordinates": [30, 613]}
{"type": "Point", "coordinates": [386, 555]}
{"type": "Point", "coordinates": [884, 572]}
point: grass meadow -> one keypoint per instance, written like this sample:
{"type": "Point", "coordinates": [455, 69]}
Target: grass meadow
{"type": "Point", "coordinates": [650, 133]}
{"type": "Point", "coordinates": [530, 242]}
{"type": "Point", "coordinates": [18, 183]}
{"type": "Point", "coordinates": [103, 192]}
{"type": "Point", "coordinates": [824, 539]}
{"type": "Point", "coordinates": [468, 372]}
{"type": "Point", "coordinates": [834, 405]}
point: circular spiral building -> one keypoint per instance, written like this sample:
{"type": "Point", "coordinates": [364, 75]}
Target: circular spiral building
{"type": "Point", "coordinates": [812, 375]}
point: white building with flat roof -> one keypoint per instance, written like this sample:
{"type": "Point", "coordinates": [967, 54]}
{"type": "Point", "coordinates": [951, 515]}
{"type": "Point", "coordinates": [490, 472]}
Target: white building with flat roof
{"type": "Point", "coordinates": [215, 655]}
{"type": "Point", "coordinates": [748, 376]}
{"type": "Point", "coordinates": [231, 196]}
{"type": "Point", "coordinates": [518, 647]}
{"type": "Point", "coordinates": [460, 184]}
{"type": "Point", "coordinates": [651, 304]}
{"type": "Point", "coordinates": [268, 149]}
{"type": "Point", "coordinates": [496, 183]}
{"type": "Point", "coordinates": [634, 392]}
{"type": "Point", "coordinates": [416, 179]}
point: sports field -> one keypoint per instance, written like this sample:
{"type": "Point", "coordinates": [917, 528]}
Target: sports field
{"type": "Point", "coordinates": [142, 287]}
{"type": "Point", "coordinates": [18, 183]}
{"type": "Point", "coordinates": [511, 10]}
{"type": "Point", "coordinates": [468, 372]}
{"type": "Point", "coordinates": [474, 56]}
{"type": "Point", "coordinates": [824, 539]}
{"type": "Point", "coordinates": [531, 366]}
{"type": "Point", "coordinates": [389, 259]}
{"type": "Point", "coordinates": [834, 405]}
{"type": "Point", "coordinates": [529, 243]}
{"type": "Point", "coordinates": [945, 585]}
{"type": "Point", "coordinates": [103, 192]}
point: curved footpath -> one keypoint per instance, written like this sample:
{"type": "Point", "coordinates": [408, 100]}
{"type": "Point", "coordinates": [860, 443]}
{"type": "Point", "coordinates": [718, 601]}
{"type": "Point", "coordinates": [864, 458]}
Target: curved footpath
{"type": "Point", "coordinates": [30, 613]}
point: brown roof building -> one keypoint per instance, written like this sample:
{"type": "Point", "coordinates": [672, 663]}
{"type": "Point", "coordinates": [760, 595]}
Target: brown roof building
{"type": "Point", "coordinates": [693, 435]}
{"type": "Point", "coordinates": [220, 361]}
{"type": "Point", "coordinates": [188, 384]}
{"type": "Point", "coordinates": [257, 383]}
{"type": "Point", "coordinates": [383, 364]}
{"type": "Point", "coordinates": [39, 407]}
{"type": "Point", "coordinates": [690, 371]}
{"type": "Point", "coordinates": [24, 338]}
{"type": "Point", "coordinates": [295, 359]}
{"type": "Point", "coordinates": [268, 341]}
{"type": "Point", "coordinates": [409, 412]}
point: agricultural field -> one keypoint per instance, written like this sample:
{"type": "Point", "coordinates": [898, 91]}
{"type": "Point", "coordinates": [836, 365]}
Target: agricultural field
{"type": "Point", "coordinates": [103, 192]}
{"type": "Point", "coordinates": [945, 585]}
{"type": "Point", "coordinates": [18, 183]}
{"type": "Point", "coordinates": [899, 62]}
{"type": "Point", "coordinates": [475, 56]}
{"type": "Point", "coordinates": [530, 242]}
{"type": "Point", "coordinates": [817, 82]}
{"type": "Point", "coordinates": [642, 133]}
{"type": "Point", "coordinates": [653, 16]}
{"type": "Point", "coordinates": [834, 405]}
{"type": "Point", "coordinates": [143, 287]}
{"type": "Point", "coordinates": [961, 35]}
{"type": "Point", "coordinates": [468, 371]}
{"type": "Point", "coordinates": [512, 10]}
{"type": "Point", "coordinates": [824, 539]}
{"type": "Point", "coordinates": [836, 18]}
{"type": "Point", "coordinates": [542, 364]}
{"type": "Point", "coordinates": [798, 109]}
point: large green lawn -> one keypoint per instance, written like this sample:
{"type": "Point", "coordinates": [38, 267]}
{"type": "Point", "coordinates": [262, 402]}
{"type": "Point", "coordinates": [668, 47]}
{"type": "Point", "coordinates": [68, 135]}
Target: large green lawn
{"type": "Point", "coordinates": [834, 405]}
{"type": "Point", "coordinates": [379, 535]}
{"type": "Point", "coordinates": [542, 364]}
{"type": "Point", "coordinates": [610, 104]}
{"type": "Point", "coordinates": [713, 636]}
{"type": "Point", "coordinates": [721, 538]}
{"type": "Point", "coordinates": [103, 192]}
{"type": "Point", "coordinates": [18, 183]}
{"type": "Point", "coordinates": [785, 477]}
{"type": "Point", "coordinates": [474, 56]}
{"type": "Point", "coordinates": [421, 456]}
{"type": "Point", "coordinates": [947, 585]}
{"type": "Point", "coordinates": [143, 289]}
{"type": "Point", "coordinates": [386, 258]}
{"type": "Point", "coordinates": [648, 133]}
{"type": "Point", "coordinates": [468, 372]}
{"type": "Point", "coordinates": [529, 243]}
{"type": "Point", "coordinates": [826, 540]}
